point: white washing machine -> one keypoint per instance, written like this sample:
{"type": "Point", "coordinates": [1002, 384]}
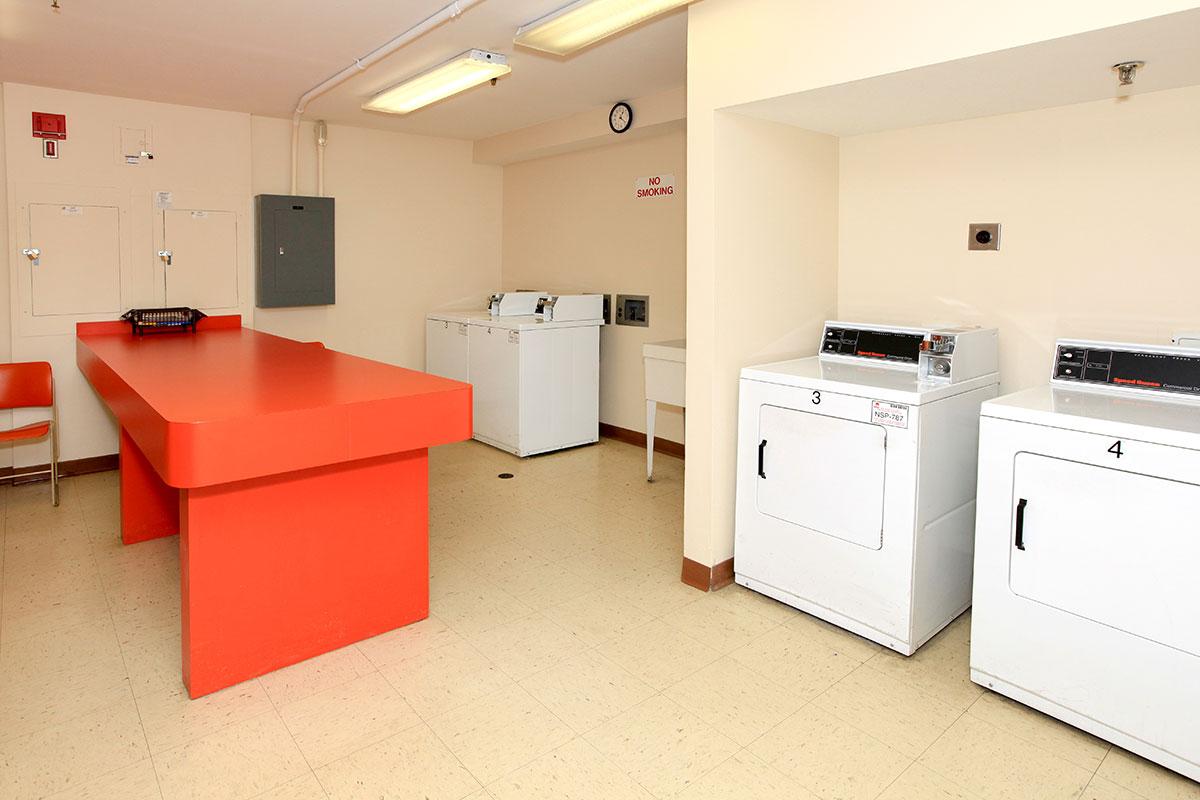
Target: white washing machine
{"type": "Point", "coordinates": [856, 477]}
{"type": "Point", "coordinates": [447, 342]}
{"type": "Point", "coordinates": [536, 383]}
{"type": "Point", "coordinates": [534, 361]}
{"type": "Point", "coordinates": [1087, 601]}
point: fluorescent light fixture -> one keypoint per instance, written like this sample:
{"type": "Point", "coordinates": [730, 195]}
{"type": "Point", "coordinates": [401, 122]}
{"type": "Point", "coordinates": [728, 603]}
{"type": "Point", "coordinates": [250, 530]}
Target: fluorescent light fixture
{"type": "Point", "coordinates": [585, 22]}
{"type": "Point", "coordinates": [456, 75]}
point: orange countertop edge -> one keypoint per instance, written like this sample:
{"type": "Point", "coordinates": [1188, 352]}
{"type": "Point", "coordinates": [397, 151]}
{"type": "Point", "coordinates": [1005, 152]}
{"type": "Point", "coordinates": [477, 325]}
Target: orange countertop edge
{"type": "Point", "coordinates": [228, 403]}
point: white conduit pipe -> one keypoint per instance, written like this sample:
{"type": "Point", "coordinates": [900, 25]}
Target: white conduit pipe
{"type": "Point", "coordinates": [383, 51]}
{"type": "Point", "coordinates": [322, 140]}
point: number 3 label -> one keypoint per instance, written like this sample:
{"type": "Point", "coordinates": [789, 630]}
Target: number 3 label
{"type": "Point", "coordinates": [816, 398]}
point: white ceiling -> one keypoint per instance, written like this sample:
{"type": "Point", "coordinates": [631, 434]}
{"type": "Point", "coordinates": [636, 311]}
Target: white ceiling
{"type": "Point", "coordinates": [1058, 72]}
{"type": "Point", "coordinates": [259, 56]}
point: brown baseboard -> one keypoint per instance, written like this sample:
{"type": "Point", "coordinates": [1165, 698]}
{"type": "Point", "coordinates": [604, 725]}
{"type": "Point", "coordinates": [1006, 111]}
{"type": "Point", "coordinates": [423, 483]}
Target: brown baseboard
{"type": "Point", "coordinates": [661, 445]}
{"type": "Point", "coordinates": [66, 469]}
{"type": "Point", "coordinates": [707, 579]}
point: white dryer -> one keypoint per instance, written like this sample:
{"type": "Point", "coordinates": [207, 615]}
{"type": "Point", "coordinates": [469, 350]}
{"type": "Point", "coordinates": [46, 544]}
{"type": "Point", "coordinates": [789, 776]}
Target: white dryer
{"type": "Point", "coordinates": [1087, 602]}
{"type": "Point", "coordinates": [856, 477]}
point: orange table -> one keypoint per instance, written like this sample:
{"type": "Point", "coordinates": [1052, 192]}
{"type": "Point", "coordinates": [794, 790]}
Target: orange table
{"type": "Point", "coordinates": [296, 477]}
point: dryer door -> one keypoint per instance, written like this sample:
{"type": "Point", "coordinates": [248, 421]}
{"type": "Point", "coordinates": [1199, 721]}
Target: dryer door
{"type": "Point", "coordinates": [823, 473]}
{"type": "Point", "coordinates": [1115, 547]}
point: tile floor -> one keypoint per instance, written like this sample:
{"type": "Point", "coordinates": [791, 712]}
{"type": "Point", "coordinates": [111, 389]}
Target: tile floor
{"type": "Point", "coordinates": [563, 659]}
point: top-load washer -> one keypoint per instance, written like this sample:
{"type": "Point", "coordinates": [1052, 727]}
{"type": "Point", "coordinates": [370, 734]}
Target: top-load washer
{"type": "Point", "coordinates": [533, 360]}
{"type": "Point", "coordinates": [536, 383]}
{"type": "Point", "coordinates": [856, 477]}
{"type": "Point", "coordinates": [447, 331]}
{"type": "Point", "coordinates": [447, 335]}
{"type": "Point", "coordinates": [1087, 547]}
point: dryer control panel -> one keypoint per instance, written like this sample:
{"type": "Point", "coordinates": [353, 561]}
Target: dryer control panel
{"type": "Point", "coordinates": [939, 355]}
{"type": "Point", "coordinates": [877, 345]}
{"type": "Point", "coordinates": [1101, 364]}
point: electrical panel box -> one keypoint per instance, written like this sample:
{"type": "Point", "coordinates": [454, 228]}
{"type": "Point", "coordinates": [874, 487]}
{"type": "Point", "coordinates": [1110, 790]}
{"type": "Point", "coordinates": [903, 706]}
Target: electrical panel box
{"type": "Point", "coordinates": [295, 251]}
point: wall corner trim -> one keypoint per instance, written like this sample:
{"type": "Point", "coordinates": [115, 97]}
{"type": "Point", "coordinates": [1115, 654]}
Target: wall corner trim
{"type": "Point", "coordinates": [707, 579]}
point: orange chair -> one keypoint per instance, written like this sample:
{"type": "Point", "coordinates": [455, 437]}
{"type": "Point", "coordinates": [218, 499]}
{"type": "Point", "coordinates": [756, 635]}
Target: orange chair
{"type": "Point", "coordinates": [31, 385]}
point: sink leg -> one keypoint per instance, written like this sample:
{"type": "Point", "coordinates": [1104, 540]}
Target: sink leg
{"type": "Point", "coordinates": [651, 408]}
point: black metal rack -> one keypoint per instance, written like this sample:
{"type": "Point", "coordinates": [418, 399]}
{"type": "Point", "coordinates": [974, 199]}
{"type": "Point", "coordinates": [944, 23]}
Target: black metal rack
{"type": "Point", "coordinates": [162, 320]}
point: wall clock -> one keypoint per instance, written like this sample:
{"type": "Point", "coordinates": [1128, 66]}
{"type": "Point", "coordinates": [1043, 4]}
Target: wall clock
{"type": "Point", "coordinates": [620, 118]}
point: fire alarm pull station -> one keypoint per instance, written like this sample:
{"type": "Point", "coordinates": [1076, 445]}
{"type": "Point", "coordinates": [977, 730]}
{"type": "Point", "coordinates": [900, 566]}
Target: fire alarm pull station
{"type": "Point", "coordinates": [49, 126]}
{"type": "Point", "coordinates": [49, 148]}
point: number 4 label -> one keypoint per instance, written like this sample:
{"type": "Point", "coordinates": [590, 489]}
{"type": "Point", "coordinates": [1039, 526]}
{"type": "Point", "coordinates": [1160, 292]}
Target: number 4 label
{"type": "Point", "coordinates": [1116, 449]}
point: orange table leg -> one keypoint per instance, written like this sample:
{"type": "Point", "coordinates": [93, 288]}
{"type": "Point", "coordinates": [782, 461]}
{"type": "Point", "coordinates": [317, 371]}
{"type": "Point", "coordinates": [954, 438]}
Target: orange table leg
{"type": "Point", "coordinates": [279, 569]}
{"type": "Point", "coordinates": [149, 508]}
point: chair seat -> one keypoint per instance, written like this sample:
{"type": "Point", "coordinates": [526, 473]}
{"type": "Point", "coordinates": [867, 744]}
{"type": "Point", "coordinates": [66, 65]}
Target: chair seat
{"type": "Point", "coordinates": [34, 430]}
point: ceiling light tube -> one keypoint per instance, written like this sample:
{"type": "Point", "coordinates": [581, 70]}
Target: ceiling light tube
{"type": "Point", "coordinates": [585, 22]}
{"type": "Point", "coordinates": [456, 75]}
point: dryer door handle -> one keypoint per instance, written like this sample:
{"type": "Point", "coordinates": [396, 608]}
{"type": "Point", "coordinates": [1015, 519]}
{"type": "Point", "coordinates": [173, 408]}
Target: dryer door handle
{"type": "Point", "coordinates": [1019, 541]}
{"type": "Point", "coordinates": [762, 446]}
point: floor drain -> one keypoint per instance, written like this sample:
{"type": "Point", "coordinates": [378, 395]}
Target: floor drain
{"type": "Point", "coordinates": [504, 476]}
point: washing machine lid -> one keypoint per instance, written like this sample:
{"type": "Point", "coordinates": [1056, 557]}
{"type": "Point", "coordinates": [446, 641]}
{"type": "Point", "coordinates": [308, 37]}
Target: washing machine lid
{"type": "Point", "coordinates": [1170, 421]}
{"type": "Point", "coordinates": [875, 381]}
{"type": "Point", "coordinates": [458, 314]}
{"type": "Point", "coordinates": [530, 323]}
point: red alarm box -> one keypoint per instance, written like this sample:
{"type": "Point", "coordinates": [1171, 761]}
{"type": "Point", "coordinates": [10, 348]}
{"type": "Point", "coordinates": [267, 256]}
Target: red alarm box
{"type": "Point", "coordinates": [49, 126]}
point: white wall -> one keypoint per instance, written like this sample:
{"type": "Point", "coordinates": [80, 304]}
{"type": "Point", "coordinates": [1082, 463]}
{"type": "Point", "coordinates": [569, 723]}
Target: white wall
{"type": "Point", "coordinates": [572, 223]}
{"type": "Point", "coordinates": [199, 153]}
{"type": "Point", "coordinates": [6, 455]}
{"type": "Point", "coordinates": [778, 216]}
{"type": "Point", "coordinates": [418, 226]}
{"type": "Point", "coordinates": [653, 115]}
{"type": "Point", "coordinates": [745, 50]}
{"type": "Point", "coordinates": [1098, 203]}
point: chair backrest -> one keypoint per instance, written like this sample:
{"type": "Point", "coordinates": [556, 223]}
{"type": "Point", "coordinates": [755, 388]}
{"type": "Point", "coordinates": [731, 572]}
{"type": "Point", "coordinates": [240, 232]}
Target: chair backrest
{"type": "Point", "coordinates": [26, 384]}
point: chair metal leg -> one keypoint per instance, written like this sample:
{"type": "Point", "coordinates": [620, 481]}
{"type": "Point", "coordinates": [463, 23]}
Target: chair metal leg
{"type": "Point", "coordinates": [54, 463]}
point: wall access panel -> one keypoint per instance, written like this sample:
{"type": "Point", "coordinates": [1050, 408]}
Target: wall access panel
{"type": "Point", "coordinates": [74, 259]}
{"type": "Point", "coordinates": [201, 262]}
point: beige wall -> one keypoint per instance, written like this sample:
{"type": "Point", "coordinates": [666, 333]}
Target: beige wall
{"type": "Point", "coordinates": [201, 155]}
{"type": "Point", "coordinates": [777, 251]}
{"type": "Point", "coordinates": [744, 50]}
{"type": "Point", "coordinates": [1098, 202]}
{"type": "Point", "coordinates": [653, 115]}
{"type": "Point", "coordinates": [572, 223]}
{"type": "Point", "coordinates": [418, 228]}
{"type": "Point", "coordinates": [6, 454]}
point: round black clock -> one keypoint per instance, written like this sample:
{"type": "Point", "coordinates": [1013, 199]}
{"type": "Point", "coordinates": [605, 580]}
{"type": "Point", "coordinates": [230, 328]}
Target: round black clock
{"type": "Point", "coordinates": [620, 119]}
